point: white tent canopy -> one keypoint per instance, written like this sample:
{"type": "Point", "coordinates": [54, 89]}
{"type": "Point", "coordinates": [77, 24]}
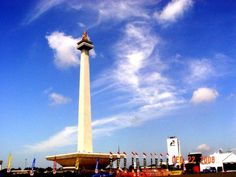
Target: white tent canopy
{"type": "Point", "coordinates": [221, 158]}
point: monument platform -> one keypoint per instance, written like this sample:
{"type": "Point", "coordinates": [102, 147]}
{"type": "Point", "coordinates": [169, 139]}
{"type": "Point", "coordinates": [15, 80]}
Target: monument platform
{"type": "Point", "coordinates": [83, 160]}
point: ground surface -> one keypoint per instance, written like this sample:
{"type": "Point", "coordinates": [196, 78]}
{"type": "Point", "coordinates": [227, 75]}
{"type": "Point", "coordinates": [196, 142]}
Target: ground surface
{"type": "Point", "coordinates": [212, 175]}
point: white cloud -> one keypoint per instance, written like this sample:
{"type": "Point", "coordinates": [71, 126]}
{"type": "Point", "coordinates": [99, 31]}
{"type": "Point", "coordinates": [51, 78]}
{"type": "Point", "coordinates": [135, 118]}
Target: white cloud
{"type": "Point", "coordinates": [204, 148]}
{"type": "Point", "coordinates": [200, 70]}
{"type": "Point", "coordinates": [64, 47]}
{"type": "Point", "coordinates": [202, 95]}
{"type": "Point", "coordinates": [63, 138]}
{"type": "Point", "coordinates": [65, 52]}
{"type": "Point", "coordinates": [58, 99]}
{"type": "Point", "coordinates": [173, 10]}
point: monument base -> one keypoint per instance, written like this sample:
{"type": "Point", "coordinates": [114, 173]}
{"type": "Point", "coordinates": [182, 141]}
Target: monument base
{"type": "Point", "coordinates": [83, 160]}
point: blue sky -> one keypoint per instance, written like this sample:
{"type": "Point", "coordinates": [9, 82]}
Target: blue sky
{"type": "Point", "coordinates": [158, 69]}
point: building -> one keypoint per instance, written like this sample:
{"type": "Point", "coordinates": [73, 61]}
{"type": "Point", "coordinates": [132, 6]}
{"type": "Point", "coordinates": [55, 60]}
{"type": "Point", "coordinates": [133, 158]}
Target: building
{"type": "Point", "coordinates": [192, 165]}
{"type": "Point", "coordinates": [173, 149]}
{"type": "Point", "coordinates": [221, 161]}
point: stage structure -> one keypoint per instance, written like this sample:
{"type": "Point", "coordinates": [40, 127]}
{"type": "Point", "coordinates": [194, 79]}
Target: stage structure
{"type": "Point", "coordinates": [84, 158]}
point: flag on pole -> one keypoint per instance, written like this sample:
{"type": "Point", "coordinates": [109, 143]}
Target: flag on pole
{"type": "Point", "coordinates": [9, 163]}
{"type": "Point", "coordinates": [144, 160]}
{"type": "Point", "coordinates": [151, 159]}
{"type": "Point", "coordinates": [96, 168]}
{"type": "Point", "coordinates": [77, 164]}
{"type": "Point", "coordinates": [32, 168]}
{"type": "Point", "coordinates": [184, 167]}
{"type": "Point", "coordinates": [125, 162]}
{"type": "Point", "coordinates": [156, 160]}
{"type": "Point", "coordinates": [54, 167]}
{"type": "Point", "coordinates": [161, 159]}
{"type": "Point", "coordinates": [110, 162]}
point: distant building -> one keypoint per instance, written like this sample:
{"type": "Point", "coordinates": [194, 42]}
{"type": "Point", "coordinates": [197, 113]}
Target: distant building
{"type": "Point", "coordinates": [173, 149]}
{"type": "Point", "coordinates": [192, 165]}
{"type": "Point", "coordinates": [0, 164]}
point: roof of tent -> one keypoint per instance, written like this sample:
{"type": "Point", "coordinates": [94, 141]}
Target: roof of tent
{"type": "Point", "coordinates": [224, 157]}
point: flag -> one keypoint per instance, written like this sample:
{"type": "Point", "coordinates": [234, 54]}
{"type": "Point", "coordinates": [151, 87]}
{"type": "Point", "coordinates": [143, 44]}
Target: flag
{"type": "Point", "coordinates": [184, 165]}
{"type": "Point", "coordinates": [9, 163]}
{"type": "Point", "coordinates": [110, 156]}
{"type": "Point", "coordinates": [77, 164]}
{"type": "Point", "coordinates": [32, 168]}
{"type": "Point", "coordinates": [96, 168]}
{"type": "Point", "coordinates": [118, 154]}
{"type": "Point", "coordinates": [54, 167]}
{"type": "Point", "coordinates": [125, 161]}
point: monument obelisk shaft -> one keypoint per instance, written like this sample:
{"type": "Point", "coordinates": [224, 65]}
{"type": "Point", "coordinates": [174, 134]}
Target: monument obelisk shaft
{"type": "Point", "coordinates": [84, 115]}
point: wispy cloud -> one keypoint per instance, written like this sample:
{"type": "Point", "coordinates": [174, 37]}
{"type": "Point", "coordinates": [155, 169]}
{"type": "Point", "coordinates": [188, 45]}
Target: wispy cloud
{"type": "Point", "coordinates": [42, 7]}
{"type": "Point", "coordinates": [116, 11]}
{"type": "Point", "coordinates": [121, 10]}
{"type": "Point", "coordinates": [106, 10]}
{"type": "Point", "coordinates": [63, 138]}
{"type": "Point", "coordinates": [200, 70]}
{"type": "Point", "coordinates": [101, 127]}
{"type": "Point", "coordinates": [203, 95]}
{"type": "Point", "coordinates": [58, 99]}
{"type": "Point", "coordinates": [173, 10]}
{"type": "Point", "coordinates": [135, 71]}
{"type": "Point", "coordinates": [136, 74]}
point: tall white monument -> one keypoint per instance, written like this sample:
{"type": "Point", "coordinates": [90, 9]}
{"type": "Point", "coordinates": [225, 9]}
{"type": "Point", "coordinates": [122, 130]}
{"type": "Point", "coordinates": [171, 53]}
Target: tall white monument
{"type": "Point", "coordinates": [84, 158]}
{"type": "Point", "coordinates": [84, 115]}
